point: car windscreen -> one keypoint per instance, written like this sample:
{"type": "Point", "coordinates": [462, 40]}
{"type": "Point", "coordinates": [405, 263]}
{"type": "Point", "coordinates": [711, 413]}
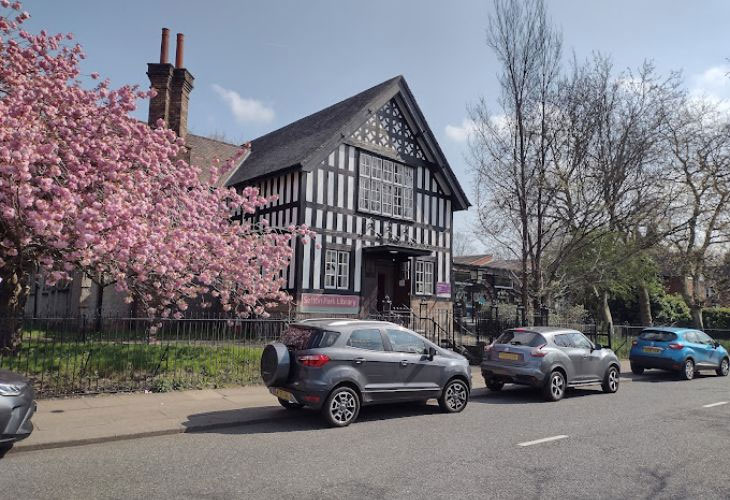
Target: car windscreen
{"type": "Point", "coordinates": [521, 337]}
{"type": "Point", "coordinates": [658, 336]}
{"type": "Point", "coordinates": [300, 337]}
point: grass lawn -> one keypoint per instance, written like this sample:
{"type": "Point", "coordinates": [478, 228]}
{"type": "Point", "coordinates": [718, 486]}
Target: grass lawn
{"type": "Point", "coordinates": [96, 366]}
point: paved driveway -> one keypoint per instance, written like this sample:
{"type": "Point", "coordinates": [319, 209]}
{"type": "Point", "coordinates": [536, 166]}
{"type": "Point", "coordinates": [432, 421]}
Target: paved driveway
{"type": "Point", "coordinates": [657, 438]}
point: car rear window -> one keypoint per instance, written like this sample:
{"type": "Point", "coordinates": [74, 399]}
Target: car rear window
{"type": "Point", "coordinates": [657, 336]}
{"type": "Point", "coordinates": [521, 337]}
{"type": "Point", "coordinates": [301, 337]}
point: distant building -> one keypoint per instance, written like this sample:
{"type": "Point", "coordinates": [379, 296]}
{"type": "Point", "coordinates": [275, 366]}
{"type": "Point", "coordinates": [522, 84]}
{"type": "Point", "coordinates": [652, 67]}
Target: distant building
{"type": "Point", "coordinates": [481, 282]}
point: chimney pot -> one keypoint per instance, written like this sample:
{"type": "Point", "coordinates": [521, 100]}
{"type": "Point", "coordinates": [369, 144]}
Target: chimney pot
{"type": "Point", "coordinates": [164, 44]}
{"type": "Point", "coordinates": [179, 50]}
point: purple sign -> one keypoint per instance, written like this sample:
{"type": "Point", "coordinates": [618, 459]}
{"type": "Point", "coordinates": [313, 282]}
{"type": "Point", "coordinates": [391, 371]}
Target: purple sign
{"type": "Point", "coordinates": [443, 288]}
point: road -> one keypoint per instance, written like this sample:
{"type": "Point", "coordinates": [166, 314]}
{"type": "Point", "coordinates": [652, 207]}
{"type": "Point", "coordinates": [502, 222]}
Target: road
{"type": "Point", "coordinates": [655, 438]}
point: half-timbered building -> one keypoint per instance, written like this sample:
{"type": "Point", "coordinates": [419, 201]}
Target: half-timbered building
{"type": "Point", "coordinates": [368, 177]}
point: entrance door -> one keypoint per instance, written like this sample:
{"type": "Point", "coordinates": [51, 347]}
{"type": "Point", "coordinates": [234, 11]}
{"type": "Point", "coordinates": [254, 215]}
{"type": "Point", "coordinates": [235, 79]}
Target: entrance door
{"type": "Point", "coordinates": [402, 286]}
{"type": "Point", "coordinates": [382, 278]}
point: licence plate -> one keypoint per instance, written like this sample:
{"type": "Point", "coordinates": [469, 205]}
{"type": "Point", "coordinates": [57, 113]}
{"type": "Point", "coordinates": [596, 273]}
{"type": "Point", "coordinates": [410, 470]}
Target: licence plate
{"type": "Point", "coordinates": [511, 356]}
{"type": "Point", "coordinates": [282, 394]}
{"type": "Point", "coordinates": [652, 349]}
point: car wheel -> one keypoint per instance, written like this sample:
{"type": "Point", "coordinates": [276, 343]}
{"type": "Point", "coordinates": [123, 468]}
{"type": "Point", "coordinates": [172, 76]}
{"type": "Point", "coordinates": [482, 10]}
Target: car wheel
{"type": "Point", "coordinates": [342, 407]}
{"type": "Point", "coordinates": [610, 380]}
{"type": "Point", "coordinates": [637, 370]}
{"type": "Point", "coordinates": [454, 397]}
{"type": "Point", "coordinates": [4, 448]}
{"type": "Point", "coordinates": [688, 373]}
{"type": "Point", "coordinates": [495, 385]}
{"type": "Point", "coordinates": [724, 368]}
{"type": "Point", "coordinates": [289, 405]}
{"type": "Point", "coordinates": [554, 389]}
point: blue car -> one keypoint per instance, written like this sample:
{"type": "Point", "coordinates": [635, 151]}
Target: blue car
{"type": "Point", "coordinates": [681, 350]}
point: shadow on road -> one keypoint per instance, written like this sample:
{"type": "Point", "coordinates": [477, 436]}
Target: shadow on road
{"type": "Point", "coordinates": [275, 420]}
{"type": "Point", "coordinates": [654, 376]}
{"type": "Point", "coordinates": [517, 394]}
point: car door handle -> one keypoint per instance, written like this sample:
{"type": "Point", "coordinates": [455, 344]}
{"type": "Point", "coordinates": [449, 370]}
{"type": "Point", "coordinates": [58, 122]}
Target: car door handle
{"type": "Point", "coordinates": [404, 362]}
{"type": "Point", "coordinates": [359, 361]}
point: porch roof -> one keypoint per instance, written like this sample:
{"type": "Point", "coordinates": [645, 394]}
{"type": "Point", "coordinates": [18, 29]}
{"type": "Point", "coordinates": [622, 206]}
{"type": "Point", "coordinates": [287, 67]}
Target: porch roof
{"type": "Point", "coordinates": [396, 251]}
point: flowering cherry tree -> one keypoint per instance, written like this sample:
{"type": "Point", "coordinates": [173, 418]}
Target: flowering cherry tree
{"type": "Point", "coordinates": [85, 187]}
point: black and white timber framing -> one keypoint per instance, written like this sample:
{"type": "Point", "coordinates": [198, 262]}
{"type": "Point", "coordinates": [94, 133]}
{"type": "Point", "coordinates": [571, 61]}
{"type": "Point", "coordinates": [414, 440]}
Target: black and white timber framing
{"type": "Point", "coordinates": [316, 167]}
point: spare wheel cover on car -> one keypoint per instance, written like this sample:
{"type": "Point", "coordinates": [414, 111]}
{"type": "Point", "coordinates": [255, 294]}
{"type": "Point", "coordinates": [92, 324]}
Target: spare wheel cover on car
{"type": "Point", "coordinates": [275, 364]}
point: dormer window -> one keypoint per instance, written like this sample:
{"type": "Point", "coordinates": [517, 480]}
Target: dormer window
{"type": "Point", "coordinates": [386, 187]}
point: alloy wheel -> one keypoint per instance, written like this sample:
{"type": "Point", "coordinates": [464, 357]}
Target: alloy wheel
{"type": "Point", "coordinates": [689, 369]}
{"type": "Point", "coordinates": [725, 367]}
{"type": "Point", "coordinates": [613, 379]}
{"type": "Point", "coordinates": [557, 386]}
{"type": "Point", "coordinates": [456, 396]}
{"type": "Point", "coordinates": [342, 407]}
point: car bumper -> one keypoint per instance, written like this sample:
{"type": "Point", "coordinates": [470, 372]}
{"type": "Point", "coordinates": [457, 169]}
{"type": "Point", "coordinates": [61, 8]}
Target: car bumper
{"type": "Point", "coordinates": [524, 375]}
{"type": "Point", "coordinates": [655, 362]}
{"type": "Point", "coordinates": [311, 398]}
{"type": "Point", "coordinates": [15, 417]}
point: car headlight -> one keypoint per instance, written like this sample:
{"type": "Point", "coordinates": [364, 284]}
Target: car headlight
{"type": "Point", "coordinates": [11, 389]}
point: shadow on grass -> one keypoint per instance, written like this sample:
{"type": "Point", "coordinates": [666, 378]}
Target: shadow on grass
{"type": "Point", "coordinates": [274, 419]}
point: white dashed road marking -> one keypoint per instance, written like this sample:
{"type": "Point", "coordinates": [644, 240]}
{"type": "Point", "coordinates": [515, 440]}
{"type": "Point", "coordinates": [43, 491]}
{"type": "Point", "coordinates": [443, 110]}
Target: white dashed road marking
{"type": "Point", "coordinates": [715, 404]}
{"type": "Point", "coordinates": [543, 440]}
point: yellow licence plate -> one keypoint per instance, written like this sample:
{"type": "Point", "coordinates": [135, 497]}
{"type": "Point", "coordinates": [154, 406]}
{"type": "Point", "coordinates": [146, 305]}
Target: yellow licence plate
{"type": "Point", "coordinates": [282, 394]}
{"type": "Point", "coordinates": [509, 355]}
{"type": "Point", "coordinates": [652, 349]}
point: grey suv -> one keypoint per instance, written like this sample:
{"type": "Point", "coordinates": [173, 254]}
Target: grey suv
{"type": "Point", "coordinates": [551, 359]}
{"type": "Point", "coordinates": [337, 365]}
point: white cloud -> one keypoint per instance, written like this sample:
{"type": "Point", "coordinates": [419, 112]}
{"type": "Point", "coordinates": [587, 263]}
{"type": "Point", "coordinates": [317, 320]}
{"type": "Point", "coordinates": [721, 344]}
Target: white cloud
{"type": "Point", "coordinates": [712, 85]}
{"type": "Point", "coordinates": [460, 133]}
{"type": "Point", "coordinates": [245, 109]}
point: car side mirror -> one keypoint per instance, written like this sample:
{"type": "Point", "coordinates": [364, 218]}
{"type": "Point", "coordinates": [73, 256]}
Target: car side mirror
{"type": "Point", "coordinates": [430, 353]}
{"type": "Point", "coordinates": [597, 347]}
{"type": "Point", "coordinates": [716, 343]}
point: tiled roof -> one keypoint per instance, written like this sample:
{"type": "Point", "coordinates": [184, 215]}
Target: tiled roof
{"type": "Point", "coordinates": [473, 260]}
{"type": "Point", "coordinates": [204, 151]}
{"type": "Point", "coordinates": [293, 144]}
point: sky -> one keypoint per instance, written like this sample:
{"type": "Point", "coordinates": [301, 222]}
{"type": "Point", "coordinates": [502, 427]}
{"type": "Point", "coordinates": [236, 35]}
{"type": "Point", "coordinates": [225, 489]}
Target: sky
{"type": "Point", "coordinates": [259, 65]}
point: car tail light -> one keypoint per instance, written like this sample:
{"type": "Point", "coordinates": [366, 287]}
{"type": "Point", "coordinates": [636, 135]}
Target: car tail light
{"type": "Point", "coordinates": [537, 352]}
{"type": "Point", "coordinates": [311, 398]}
{"type": "Point", "coordinates": [676, 346]}
{"type": "Point", "coordinates": [313, 360]}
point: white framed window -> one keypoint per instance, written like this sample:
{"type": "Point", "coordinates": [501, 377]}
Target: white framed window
{"type": "Point", "coordinates": [424, 277]}
{"type": "Point", "coordinates": [386, 187]}
{"type": "Point", "coordinates": [337, 269]}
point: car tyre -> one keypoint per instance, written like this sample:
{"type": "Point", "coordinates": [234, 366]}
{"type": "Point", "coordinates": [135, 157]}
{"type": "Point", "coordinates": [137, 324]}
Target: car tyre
{"type": "Point", "coordinates": [611, 380]}
{"type": "Point", "coordinates": [688, 370]}
{"type": "Point", "coordinates": [724, 368]}
{"type": "Point", "coordinates": [637, 370]}
{"type": "Point", "coordinates": [4, 448]}
{"type": "Point", "coordinates": [554, 389]}
{"type": "Point", "coordinates": [289, 405]}
{"type": "Point", "coordinates": [341, 407]}
{"type": "Point", "coordinates": [494, 385]}
{"type": "Point", "coordinates": [454, 397]}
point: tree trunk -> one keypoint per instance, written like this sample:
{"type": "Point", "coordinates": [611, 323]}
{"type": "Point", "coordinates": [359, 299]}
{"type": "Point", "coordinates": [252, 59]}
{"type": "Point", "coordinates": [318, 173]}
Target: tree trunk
{"type": "Point", "coordinates": [605, 310]}
{"type": "Point", "coordinates": [14, 291]}
{"type": "Point", "coordinates": [697, 317]}
{"type": "Point", "coordinates": [645, 305]}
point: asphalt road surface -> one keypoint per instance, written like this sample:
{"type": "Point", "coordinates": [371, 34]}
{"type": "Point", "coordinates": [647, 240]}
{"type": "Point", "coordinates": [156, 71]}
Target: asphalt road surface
{"type": "Point", "coordinates": [658, 437]}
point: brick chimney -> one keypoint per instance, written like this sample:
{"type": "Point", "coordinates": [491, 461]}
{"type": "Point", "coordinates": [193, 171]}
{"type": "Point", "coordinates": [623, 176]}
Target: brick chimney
{"type": "Point", "coordinates": [160, 76]}
{"type": "Point", "coordinates": [180, 87]}
{"type": "Point", "coordinates": [173, 86]}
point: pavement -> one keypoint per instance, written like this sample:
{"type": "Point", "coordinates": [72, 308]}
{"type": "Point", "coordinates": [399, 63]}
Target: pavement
{"type": "Point", "coordinates": [657, 437]}
{"type": "Point", "coordinates": [85, 420]}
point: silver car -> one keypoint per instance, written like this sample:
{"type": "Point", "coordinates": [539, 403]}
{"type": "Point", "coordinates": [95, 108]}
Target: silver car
{"type": "Point", "coordinates": [17, 405]}
{"type": "Point", "coordinates": [551, 359]}
{"type": "Point", "coordinates": [336, 366]}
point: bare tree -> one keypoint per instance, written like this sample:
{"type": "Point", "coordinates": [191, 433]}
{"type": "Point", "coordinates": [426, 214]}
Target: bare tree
{"type": "Point", "coordinates": [510, 149]}
{"type": "Point", "coordinates": [700, 145]}
{"type": "Point", "coordinates": [463, 243]}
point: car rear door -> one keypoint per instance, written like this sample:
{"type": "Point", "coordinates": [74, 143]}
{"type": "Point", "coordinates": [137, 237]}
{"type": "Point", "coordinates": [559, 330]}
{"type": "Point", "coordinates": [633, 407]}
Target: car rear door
{"type": "Point", "coordinates": [418, 376]}
{"type": "Point", "coordinates": [699, 350]}
{"type": "Point", "coordinates": [366, 351]}
{"type": "Point", "coordinates": [710, 353]}
{"type": "Point", "coordinates": [579, 355]}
